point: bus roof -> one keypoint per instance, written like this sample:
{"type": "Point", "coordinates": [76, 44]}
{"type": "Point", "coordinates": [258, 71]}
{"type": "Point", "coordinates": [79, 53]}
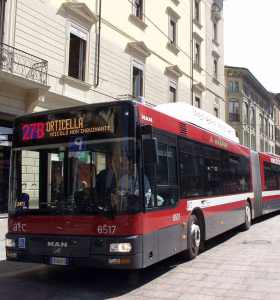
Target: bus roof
{"type": "Point", "coordinates": [191, 114]}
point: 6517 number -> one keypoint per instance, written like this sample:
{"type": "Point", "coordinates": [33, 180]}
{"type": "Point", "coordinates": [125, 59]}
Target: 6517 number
{"type": "Point", "coordinates": [106, 229]}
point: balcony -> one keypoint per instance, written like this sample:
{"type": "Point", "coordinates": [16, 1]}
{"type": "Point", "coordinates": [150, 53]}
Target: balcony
{"type": "Point", "coordinates": [23, 65]}
{"type": "Point", "coordinates": [216, 10]}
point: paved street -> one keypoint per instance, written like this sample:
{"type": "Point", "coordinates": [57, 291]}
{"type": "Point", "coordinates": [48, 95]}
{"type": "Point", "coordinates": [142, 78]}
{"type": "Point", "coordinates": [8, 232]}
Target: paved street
{"type": "Point", "coordinates": [237, 265]}
{"type": "Point", "coordinates": [3, 230]}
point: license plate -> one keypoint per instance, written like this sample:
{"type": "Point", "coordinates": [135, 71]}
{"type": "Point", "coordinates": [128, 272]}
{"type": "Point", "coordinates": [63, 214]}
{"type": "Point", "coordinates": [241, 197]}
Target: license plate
{"type": "Point", "coordinates": [59, 261]}
{"type": "Point", "coordinates": [21, 243]}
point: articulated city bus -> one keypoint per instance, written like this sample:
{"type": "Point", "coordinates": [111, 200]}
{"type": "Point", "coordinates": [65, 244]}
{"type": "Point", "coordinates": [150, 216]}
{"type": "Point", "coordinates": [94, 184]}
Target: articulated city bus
{"type": "Point", "coordinates": [122, 185]}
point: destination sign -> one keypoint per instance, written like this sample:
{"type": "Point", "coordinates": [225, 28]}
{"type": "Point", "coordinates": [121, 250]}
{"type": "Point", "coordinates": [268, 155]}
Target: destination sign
{"type": "Point", "coordinates": [67, 125]}
{"type": "Point", "coordinates": [61, 127]}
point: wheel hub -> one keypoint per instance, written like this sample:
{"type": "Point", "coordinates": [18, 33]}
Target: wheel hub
{"type": "Point", "coordinates": [195, 231]}
{"type": "Point", "coordinates": [248, 214]}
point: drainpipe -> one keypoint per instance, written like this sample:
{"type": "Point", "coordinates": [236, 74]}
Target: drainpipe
{"type": "Point", "coordinates": [97, 52]}
{"type": "Point", "coordinates": [191, 40]}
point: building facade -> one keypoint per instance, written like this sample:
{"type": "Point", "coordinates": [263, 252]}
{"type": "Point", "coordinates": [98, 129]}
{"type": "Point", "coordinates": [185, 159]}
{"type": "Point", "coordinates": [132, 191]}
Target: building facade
{"type": "Point", "coordinates": [277, 123]}
{"type": "Point", "coordinates": [62, 53]}
{"type": "Point", "coordinates": [250, 109]}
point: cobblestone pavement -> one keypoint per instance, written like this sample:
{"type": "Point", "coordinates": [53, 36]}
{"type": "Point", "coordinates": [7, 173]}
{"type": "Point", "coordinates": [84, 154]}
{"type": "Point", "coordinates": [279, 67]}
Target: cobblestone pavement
{"type": "Point", "coordinates": [236, 265]}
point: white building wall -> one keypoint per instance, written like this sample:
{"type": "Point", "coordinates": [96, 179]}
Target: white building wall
{"type": "Point", "coordinates": [41, 29]}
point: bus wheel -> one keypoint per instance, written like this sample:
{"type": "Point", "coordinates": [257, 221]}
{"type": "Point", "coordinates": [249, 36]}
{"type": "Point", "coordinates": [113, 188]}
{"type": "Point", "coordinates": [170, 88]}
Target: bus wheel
{"type": "Point", "coordinates": [194, 237]}
{"type": "Point", "coordinates": [248, 217]}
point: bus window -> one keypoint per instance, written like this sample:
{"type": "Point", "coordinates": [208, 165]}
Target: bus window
{"type": "Point", "coordinates": [272, 176]}
{"type": "Point", "coordinates": [192, 183]}
{"type": "Point", "coordinates": [55, 178]}
{"type": "Point", "coordinates": [208, 171]}
{"type": "Point", "coordinates": [164, 184]}
{"type": "Point", "coordinates": [30, 177]}
{"type": "Point", "coordinates": [69, 183]}
{"type": "Point", "coordinates": [235, 174]}
{"type": "Point", "coordinates": [82, 175]}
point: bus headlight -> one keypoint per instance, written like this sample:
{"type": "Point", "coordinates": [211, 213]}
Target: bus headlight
{"type": "Point", "coordinates": [120, 247]}
{"type": "Point", "coordinates": [10, 243]}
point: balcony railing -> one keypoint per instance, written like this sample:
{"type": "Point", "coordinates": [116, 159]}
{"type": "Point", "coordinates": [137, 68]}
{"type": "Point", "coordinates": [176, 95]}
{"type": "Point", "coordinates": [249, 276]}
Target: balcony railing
{"type": "Point", "coordinates": [23, 64]}
{"type": "Point", "coordinates": [219, 3]}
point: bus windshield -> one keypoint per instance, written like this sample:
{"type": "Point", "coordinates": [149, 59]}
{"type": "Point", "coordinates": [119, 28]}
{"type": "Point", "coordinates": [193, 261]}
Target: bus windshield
{"type": "Point", "coordinates": [100, 178]}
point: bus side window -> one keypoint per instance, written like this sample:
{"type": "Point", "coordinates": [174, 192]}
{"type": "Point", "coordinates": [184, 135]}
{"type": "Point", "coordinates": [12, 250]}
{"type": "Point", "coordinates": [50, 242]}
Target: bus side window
{"type": "Point", "coordinates": [236, 174]}
{"type": "Point", "coordinates": [191, 175]}
{"type": "Point", "coordinates": [162, 178]}
{"type": "Point", "coordinates": [167, 182]}
{"type": "Point", "coordinates": [272, 176]}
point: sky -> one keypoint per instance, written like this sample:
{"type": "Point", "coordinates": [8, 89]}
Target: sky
{"type": "Point", "coordinates": [252, 38]}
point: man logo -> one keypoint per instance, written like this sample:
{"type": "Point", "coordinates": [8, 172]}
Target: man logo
{"type": "Point", "coordinates": [58, 244]}
{"type": "Point", "coordinates": [57, 251]}
{"type": "Point", "coordinates": [147, 118]}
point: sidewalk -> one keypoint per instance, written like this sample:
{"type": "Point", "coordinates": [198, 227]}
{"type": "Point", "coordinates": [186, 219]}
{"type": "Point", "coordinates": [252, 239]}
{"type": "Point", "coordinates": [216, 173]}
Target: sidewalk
{"type": "Point", "coordinates": [3, 230]}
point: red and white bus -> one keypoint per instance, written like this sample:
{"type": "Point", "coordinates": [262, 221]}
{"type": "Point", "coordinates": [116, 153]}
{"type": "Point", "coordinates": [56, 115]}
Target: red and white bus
{"type": "Point", "coordinates": [122, 185]}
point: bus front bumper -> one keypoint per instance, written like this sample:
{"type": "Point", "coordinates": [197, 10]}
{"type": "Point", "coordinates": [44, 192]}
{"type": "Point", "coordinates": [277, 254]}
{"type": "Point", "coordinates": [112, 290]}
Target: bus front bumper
{"type": "Point", "coordinates": [76, 251]}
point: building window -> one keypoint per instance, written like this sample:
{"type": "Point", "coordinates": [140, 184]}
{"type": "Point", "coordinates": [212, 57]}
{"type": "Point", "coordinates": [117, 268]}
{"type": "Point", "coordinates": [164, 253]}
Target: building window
{"type": "Point", "coordinates": [262, 145]}
{"type": "Point", "coordinates": [230, 86]}
{"type": "Point", "coordinates": [253, 117]}
{"type": "Point", "coordinates": [197, 102]}
{"type": "Point", "coordinates": [138, 8]}
{"type": "Point", "coordinates": [266, 147]}
{"type": "Point", "coordinates": [137, 82]}
{"type": "Point", "coordinates": [197, 54]}
{"type": "Point", "coordinates": [246, 139]}
{"type": "Point", "coordinates": [172, 30]}
{"type": "Point", "coordinates": [233, 86]}
{"type": "Point", "coordinates": [215, 66]}
{"type": "Point", "coordinates": [197, 11]}
{"type": "Point", "coordinates": [246, 113]}
{"type": "Point", "coordinates": [215, 32]}
{"type": "Point", "coordinates": [2, 19]}
{"type": "Point", "coordinates": [216, 112]}
{"type": "Point", "coordinates": [271, 132]}
{"type": "Point", "coordinates": [173, 19]}
{"type": "Point", "coordinates": [77, 54]}
{"type": "Point", "coordinates": [261, 125]}
{"type": "Point", "coordinates": [253, 142]}
{"type": "Point", "coordinates": [173, 91]}
{"type": "Point", "coordinates": [236, 86]}
{"type": "Point", "coordinates": [266, 129]}
{"type": "Point", "coordinates": [233, 111]}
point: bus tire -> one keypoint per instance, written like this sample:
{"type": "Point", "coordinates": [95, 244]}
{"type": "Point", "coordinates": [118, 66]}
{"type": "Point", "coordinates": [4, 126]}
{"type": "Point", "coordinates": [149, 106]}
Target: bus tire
{"type": "Point", "coordinates": [248, 217]}
{"type": "Point", "coordinates": [193, 237]}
